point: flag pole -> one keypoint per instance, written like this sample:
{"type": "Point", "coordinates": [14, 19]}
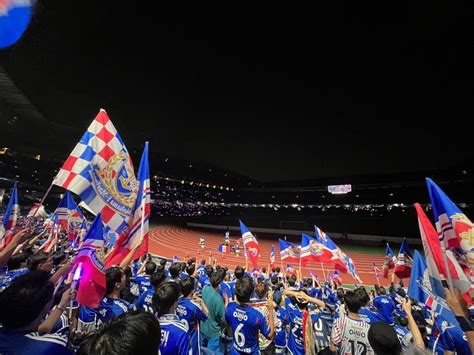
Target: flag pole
{"type": "Point", "coordinates": [40, 204]}
{"type": "Point", "coordinates": [376, 276]}
{"type": "Point", "coordinates": [245, 252]}
{"type": "Point", "coordinates": [300, 267]}
{"type": "Point", "coordinates": [324, 273]}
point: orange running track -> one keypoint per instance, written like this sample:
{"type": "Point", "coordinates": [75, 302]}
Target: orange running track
{"type": "Point", "coordinates": [168, 241]}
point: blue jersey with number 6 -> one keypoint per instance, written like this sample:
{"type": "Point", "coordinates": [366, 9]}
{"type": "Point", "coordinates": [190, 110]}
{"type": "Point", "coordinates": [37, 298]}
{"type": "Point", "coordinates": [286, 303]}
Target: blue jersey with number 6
{"type": "Point", "coordinates": [246, 322]}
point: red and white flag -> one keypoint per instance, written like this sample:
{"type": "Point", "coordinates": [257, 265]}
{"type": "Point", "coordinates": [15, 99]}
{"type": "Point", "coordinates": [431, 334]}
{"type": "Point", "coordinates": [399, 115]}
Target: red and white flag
{"type": "Point", "coordinates": [251, 244]}
{"type": "Point", "coordinates": [137, 235]}
{"type": "Point", "coordinates": [434, 256]}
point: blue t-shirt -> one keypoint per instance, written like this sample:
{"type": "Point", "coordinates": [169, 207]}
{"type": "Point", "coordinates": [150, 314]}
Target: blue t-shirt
{"type": "Point", "coordinates": [143, 282]}
{"type": "Point", "coordinates": [385, 307]}
{"type": "Point", "coordinates": [108, 308]}
{"type": "Point", "coordinates": [295, 338]}
{"type": "Point", "coordinates": [246, 322]}
{"type": "Point", "coordinates": [191, 313]}
{"type": "Point", "coordinates": [61, 326]}
{"type": "Point", "coordinates": [451, 337]}
{"type": "Point", "coordinates": [225, 289]}
{"type": "Point", "coordinates": [7, 277]}
{"type": "Point", "coordinates": [369, 316]}
{"type": "Point", "coordinates": [145, 301]}
{"type": "Point", "coordinates": [25, 343]}
{"type": "Point", "coordinates": [174, 336]}
{"type": "Point", "coordinates": [283, 320]}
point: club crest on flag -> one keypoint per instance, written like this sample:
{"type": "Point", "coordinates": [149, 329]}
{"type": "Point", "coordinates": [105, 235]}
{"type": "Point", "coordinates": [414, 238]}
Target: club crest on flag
{"type": "Point", "coordinates": [253, 251]}
{"type": "Point", "coordinates": [316, 248]}
{"type": "Point", "coordinates": [464, 228]}
{"type": "Point", "coordinates": [115, 183]}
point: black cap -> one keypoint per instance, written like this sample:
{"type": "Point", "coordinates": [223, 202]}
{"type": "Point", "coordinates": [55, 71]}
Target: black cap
{"type": "Point", "coordinates": [383, 339]}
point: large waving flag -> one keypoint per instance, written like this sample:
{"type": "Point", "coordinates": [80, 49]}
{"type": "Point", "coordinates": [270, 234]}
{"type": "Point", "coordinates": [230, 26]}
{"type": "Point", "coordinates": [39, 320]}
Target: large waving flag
{"type": "Point", "coordinates": [389, 261]}
{"type": "Point", "coordinates": [434, 256]}
{"type": "Point", "coordinates": [10, 218]}
{"type": "Point", "coordinates": [311, 249]}
{"type": "Point", "coordinates": [90, 256]}
{"type": "Point", "coordinates": [289, 252]}
{"type": "Point", "coordinates": [404, 261]}
{"type": "Point", "coordinates": [251, 243]}
{"type": "Point", "coordinates": [454, 228]}
{"type": "Point", "coordinates": [341, 259]}
{"type": "Point", "coordinates": [272, 256]}
{"type": "Point", "coordinates": [423, 288]}
{"type": "Point", "coordinates": [137, 236]}
{"type": "Point", "coordinates": [100, 171]}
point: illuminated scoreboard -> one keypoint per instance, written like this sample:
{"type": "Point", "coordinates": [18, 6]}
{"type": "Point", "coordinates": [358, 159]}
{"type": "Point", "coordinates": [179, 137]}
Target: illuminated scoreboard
{"type": "Point", "coordinates": [339, 189]}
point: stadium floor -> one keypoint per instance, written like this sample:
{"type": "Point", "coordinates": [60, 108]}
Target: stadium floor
{"type": "Point", "coordinates": [168, 241]}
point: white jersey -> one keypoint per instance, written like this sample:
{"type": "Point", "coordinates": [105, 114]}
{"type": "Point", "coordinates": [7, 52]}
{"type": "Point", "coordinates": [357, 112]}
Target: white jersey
{"type": "Point", "coordinates": [351, 336]}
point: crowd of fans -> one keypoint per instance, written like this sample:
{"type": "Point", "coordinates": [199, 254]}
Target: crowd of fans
{"type": "Point", "coordinates": [196, 306]}
{"type": "Point", "coordinates": [175, 199]}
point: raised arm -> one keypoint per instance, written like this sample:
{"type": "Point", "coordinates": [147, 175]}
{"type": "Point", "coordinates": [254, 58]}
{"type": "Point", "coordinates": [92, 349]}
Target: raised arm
{"type": "Point", "coordinates": [17, 239]}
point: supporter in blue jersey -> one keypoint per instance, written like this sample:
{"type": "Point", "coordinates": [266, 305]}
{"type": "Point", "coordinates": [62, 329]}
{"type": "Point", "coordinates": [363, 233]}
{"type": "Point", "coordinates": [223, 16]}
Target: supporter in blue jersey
{"type": "Point", "coordinates": [23, 305]}
{"type": "Point", "coordinates": [364, 313]}
{"type": "Point", "coordinates": [384, 305]}
{"type": "Point", "coordinates": [145, 301]}
{"type": "Point", "coordinates": [246, 322]}
{"type": "Point", "coordinates": [174, 333]}
{"type": "Point", "coordinates": [239, 272]}
{"type": "Point", "coordinates": [281, 324]}
{"type": "Point", "coordinates": [296, 313]}
{"type": "Point", "coordinates": [174, 273]}
{"type": "Point", "coordinates": [143, 281]}
{"type": "Point", "coordinates": [204, 279]}
{"type": "Point", "coordinates": [292, 286]}
{"type": "Point", "coordinates": [129, 333]}
{"type": "Point", "coordinates": [403, 333]}
{"type": "Point", "coordinates": [201, 269]}
{"type": "Point", "coordinates": [226, 289]}
{"type": "Point", "coordinates": [16, 266]}
{"type": "Point", "coordinates": [449, 336]}
{"type": "Point", "coordinates": [110, 306]}
{"type": "Point", "coordinates": [384, 339]}
{"type": "Point", "coordinates": [191, 310]}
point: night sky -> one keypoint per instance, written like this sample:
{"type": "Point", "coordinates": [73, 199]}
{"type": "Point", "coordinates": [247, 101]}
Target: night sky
{"type": "Point", "coordinates": [274, 91]}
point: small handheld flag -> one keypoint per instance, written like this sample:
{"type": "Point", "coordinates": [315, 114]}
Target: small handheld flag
{"type": "Point", "coordinates": [389, 261]}
{"type": "Point", "coordinates": [223, 248]}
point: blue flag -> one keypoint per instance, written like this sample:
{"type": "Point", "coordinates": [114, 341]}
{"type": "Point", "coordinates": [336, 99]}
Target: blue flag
{"type": "Point", "coordinates": [427, 290]}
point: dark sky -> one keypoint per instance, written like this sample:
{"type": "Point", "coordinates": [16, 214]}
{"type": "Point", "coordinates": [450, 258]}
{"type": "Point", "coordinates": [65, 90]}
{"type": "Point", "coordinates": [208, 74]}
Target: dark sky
{"type": "Point", "coordinates": [274, 91]}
